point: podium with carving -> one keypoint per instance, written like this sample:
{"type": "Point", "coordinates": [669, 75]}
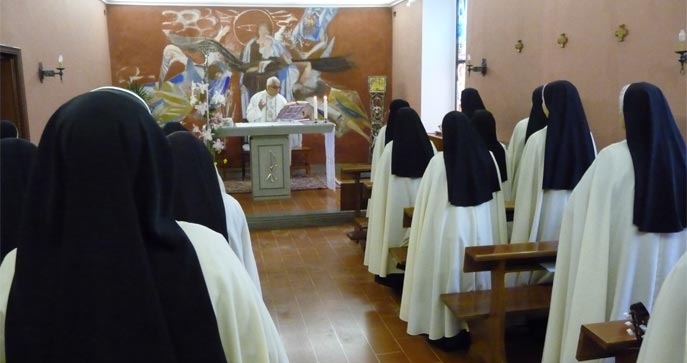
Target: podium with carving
{"type": "Point", "coordinates": [270, 153]}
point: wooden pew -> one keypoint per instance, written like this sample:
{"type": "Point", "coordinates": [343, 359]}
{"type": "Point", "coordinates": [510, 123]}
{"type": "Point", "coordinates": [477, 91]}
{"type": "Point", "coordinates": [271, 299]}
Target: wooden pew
{"type": "Point", "coordinates": [486, 311]}
{"type": "Point", "coordinates": [355, 173]}
{"type": "Point", "coordinates": [400, 255]}
{"type": "Point", "coordinates": [609, 339]}
{"type": "Point", "coordinates": [437, 140]}
{"type": "Point", "coordinates": [408, 214]}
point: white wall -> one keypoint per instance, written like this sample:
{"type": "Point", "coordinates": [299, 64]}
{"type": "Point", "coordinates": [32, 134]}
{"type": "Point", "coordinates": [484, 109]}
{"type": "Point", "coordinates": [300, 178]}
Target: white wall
{"type": "Point", "coordinates": [423, 64]}
{"type": "Point", "coordinates": [438, 60]}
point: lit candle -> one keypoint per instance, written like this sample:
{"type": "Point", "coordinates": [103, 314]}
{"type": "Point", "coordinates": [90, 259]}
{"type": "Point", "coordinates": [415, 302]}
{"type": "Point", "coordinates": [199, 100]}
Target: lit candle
{"type": "Point", "coordinates": [682, 45]}
{"type": "Point", "coordinates": [60, 61]}
{"type": "Point", "coordinates": [325, 107]}
{"type": "Point", "coordinates": [314, 109]}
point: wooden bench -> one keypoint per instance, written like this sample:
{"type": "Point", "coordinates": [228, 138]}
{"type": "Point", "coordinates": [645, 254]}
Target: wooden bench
{"type": "Point", "coordinates": [609, 339]}
{"type": "Point", "coordinates": [399, 255]}
{"type": "Point", "coordinates": [437, 140]}
{"type": "Point", "coordinates": [355, 173]}
{"type": "Point", "coordinates": [408, 214]}
{"type": "Point", "coordinates": [486, 311]}
{"type": "Point", "coordinates": [358, 195]}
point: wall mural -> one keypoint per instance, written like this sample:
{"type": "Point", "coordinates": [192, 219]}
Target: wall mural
{"type": "Point", "coordinates": [235, 51]}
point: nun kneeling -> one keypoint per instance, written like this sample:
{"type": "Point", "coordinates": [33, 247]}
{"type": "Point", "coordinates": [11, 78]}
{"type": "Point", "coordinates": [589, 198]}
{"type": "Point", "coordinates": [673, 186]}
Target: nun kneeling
{"type": "Point", "coordinates": [453, 210]}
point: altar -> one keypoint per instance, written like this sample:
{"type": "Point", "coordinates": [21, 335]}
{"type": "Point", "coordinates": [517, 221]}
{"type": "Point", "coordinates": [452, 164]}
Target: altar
{"type": "Point", "coordinates": [270, 153]}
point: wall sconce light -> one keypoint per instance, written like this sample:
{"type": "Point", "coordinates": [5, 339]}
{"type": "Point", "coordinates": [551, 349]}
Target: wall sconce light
{"type": "Point", "coordinates": [42, 73]}
{"type": "Point", "coordinates": [682, 50]}
{"type": "Point", "coordinates": [621, 32]}
{"type": "Point", "coordinates": [562, 40]}
{"type": "Point", "coordinates": [482, 68]}
{"type": "Point", "coordinates": [519, 45]}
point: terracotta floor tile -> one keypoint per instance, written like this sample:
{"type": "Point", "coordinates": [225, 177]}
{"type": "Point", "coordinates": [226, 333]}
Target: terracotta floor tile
{"type": "Point", "coordinates": [381, 340]}
{"type": "Point", "coordinates": [327, 348]}
{"type": "Point", "coordinates": [417, 350]}
{"type": "Point", "coordinates": [398, 357]}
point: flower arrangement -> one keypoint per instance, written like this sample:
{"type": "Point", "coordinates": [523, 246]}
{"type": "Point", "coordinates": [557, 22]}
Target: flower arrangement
{"type": "Point", "coordinates": [211, 110]}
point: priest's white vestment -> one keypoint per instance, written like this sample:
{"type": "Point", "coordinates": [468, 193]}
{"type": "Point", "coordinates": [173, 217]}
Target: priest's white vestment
{"type": "Point", "coordinates": [438, 237]}
{"type": "Point", "coordinates": [604, 263]}
{"type": "Point", "coordinates": [390, 195]}
{"type": "Point", "coordinates": [666, 337]}
{"type": "Point", "coordinates": [246, 329]}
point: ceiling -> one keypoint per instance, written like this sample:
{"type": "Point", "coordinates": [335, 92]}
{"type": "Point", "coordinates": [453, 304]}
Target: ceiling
{"type": "Point", "coordinates": [260, 3]}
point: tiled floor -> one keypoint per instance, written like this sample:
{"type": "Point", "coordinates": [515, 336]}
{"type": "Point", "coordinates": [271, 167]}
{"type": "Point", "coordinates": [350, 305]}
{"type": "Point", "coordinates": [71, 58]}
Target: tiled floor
{"type": "Point", "coordinates": [326, 305]}
{"type": "Point", "coordinates": [300, 201]}
{"type": "Point", "coordinates": [328, 309]}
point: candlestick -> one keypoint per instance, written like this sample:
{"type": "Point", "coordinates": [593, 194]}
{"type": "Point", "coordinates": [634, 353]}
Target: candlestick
{"type": "Point", "coordinates": [60, 61]}
{"type": "Point", "coordinates": [681, 38]}
{"type": "Point", "coordinates": [314, 109]}
{"type": "Point", "coordinates": [325, 108]}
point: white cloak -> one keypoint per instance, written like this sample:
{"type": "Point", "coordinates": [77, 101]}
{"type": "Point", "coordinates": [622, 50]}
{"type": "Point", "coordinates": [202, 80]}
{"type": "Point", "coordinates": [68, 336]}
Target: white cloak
{"type": "Point", "coordinates": [666, 337]}
{"type": "Point", "coordinates": [377, 150]}
{"type": "Point", "coordinates": [246, 329]}
{"type": "Point", "coordinates": [604, 263]}
{"type": "Point", "coordinates": [538, 212]}
{"type": "Point", "coordinates": [390, 195]}
{"type": "Point", "coordinates": [438, 237]}
{"type": "Point", "coordinates": [239, 234]}
{"type": "Point", "coordinates": [514, 152]}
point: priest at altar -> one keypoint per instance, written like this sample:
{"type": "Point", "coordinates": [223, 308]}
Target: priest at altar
{"type": "Point", "coordinates": [265, 105]}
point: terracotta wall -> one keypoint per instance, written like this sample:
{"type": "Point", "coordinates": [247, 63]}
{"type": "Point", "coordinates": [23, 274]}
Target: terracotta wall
{"type": "Point", "coordinates": [407, 54]}
{"type": "Point", "coordinates": [363, 35]}
{"type": "Point", "coordinates": [593, 60]}
{"type": "Point", "coordinates": [45, 29]}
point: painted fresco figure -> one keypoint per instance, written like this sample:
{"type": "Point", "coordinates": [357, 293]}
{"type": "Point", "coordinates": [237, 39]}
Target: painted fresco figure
{"type": "Point", "coordinates": [267, 56]}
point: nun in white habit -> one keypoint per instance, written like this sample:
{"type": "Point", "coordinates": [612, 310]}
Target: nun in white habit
{"type": "Point", "coordinates": [624, 227]}
{"type": "Point", "coordinates": [397, 178]}
{"type": "Point", "coordinates": [522, 131]}
{"type": "Point", "coordinates": [666, 336]}
{"type": "Point", "coordinates": [130, 283]}
{"type": "Point", "coordinates": [198, 198]}
{"type": "Point", "coordinates": [554, 160]}
{"type": "Point", "coordinates": [385, 134]}
{"type": "Point", "coordinates": [455, 208]}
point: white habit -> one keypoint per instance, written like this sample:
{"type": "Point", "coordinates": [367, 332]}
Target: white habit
{"type": "Point", "coordinates": [390, 195]}
{"type": "Point", "coordinates": [666, 337]}
{"type": "Point", "coordinates": [239, 234]}
{"type": "Point", "coordinates": [604, 263]}
{"type": "Point", "coordinates": [377, 150]}
{"type": "Point", "coordinates": [246, 329]}
{"type": "Point", "coordinates": [438, 237]}
{"type": "Point", "coordinates": [514, 152]}
{"type": "Point", "coordinates": [538, 212]}
{"type": "Point", "coordinates": [273, 104]}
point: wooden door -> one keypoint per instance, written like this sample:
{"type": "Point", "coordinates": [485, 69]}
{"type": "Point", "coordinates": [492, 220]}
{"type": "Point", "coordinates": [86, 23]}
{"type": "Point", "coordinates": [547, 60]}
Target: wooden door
{"type": "Point", "coordinates": [12, 96]}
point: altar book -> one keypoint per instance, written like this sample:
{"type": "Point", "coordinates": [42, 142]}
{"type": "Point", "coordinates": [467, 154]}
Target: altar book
{"type": "Point", "coordinates": [295, 112]}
